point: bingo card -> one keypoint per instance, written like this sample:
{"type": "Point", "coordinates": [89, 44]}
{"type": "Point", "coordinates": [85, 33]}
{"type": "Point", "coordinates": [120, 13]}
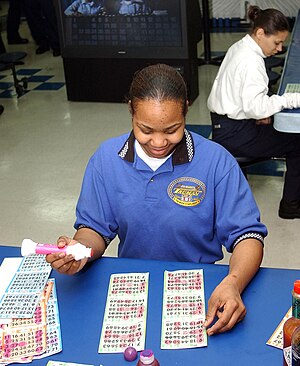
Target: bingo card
{"type": "Point", "coordinates": [24, 339]}
{"type": "Point", "coordinates": [292, 88]}
{"type": "Point", "coordinates": [183, 312]}
{"type": "Point", "coordinates": [125, 314]}
{"type": "Point", "coordinates": [276, 339]}
{"type": "Point", "coordinates": [23, 293]}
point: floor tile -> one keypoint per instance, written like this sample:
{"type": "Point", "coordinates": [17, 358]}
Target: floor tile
{"type": "Point", "coordinates": [49, 86]}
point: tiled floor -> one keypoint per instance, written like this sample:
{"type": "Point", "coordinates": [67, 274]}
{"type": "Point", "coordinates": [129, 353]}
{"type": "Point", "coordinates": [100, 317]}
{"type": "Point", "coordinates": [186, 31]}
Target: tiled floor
{"type": "Point", "coordinates": [35, 78]}
{"type": "Point", "coordinates": [45, 142]}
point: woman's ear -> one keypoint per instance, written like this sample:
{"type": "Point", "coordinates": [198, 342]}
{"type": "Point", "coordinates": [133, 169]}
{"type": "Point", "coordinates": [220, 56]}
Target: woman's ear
{"type": "Point", "coordinates": [260, 33]}
{"type": "Point", "coordinates": [130, 107]}
{"type": "Point", "coordinates": [187, 104]}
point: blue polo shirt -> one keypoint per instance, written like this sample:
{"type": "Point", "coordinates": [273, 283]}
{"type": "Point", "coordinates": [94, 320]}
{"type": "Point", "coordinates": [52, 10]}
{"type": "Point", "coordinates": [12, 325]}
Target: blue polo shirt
{"type": "Point", "coordinates": [197, 201]}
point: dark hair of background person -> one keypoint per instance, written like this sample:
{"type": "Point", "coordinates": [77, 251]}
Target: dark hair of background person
{"type": "Point", "coordinates": [271, 21]}
{"type": "Point", "coordinates": [159, 82]}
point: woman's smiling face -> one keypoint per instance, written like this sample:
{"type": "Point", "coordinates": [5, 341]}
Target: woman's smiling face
{"type": "Point", "coordinates": [158, 126]}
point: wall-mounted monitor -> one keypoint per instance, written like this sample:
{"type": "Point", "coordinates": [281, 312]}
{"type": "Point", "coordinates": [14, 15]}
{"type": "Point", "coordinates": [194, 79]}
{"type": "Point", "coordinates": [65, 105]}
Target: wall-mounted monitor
{"type": "Point", "coordinates": [128, 28]}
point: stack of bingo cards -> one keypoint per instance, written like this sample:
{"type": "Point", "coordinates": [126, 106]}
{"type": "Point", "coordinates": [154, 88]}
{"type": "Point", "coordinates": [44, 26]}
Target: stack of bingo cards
{"type": "Point", "coordinates": [29, 318]}
{"type": "Point", "coordinates": [183, 310]}
{"type": "Point", "coordinates": [125, 314]}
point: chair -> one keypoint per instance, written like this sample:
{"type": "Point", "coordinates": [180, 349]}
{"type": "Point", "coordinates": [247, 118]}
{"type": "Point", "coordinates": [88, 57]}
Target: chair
{"type": "Point", "coordinates": [270, 63]}
{"type": "Point", "coordinates": [273, 61]}
{"type": "Point", "coordinates": [273, 78]}
{"type": "Point", "coordinates": [246, 162]}
{"type": "Point", "coordinates": [9, 60]}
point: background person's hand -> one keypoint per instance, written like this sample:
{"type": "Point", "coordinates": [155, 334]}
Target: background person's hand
{"type": "Point", "coordinates": [264, 121]}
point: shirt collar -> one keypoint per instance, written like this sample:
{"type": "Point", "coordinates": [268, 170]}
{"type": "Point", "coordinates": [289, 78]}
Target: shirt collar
{"type": "Point", "coordinates": [183, 153]}
{"type": "Point", "coordinates": [254, 45]}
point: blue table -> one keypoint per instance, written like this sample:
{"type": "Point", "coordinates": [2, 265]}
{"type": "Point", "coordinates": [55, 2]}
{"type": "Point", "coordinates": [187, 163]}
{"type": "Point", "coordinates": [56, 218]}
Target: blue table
{"type": "Point", "coordinates": [82, 300]}
{"type": "Point", "coordinates": [288, 120]}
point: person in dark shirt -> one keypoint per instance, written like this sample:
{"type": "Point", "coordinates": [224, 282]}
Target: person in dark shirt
{"type": "Point", "coordinates": [15, 9]}
{"type": "Point", "coordinates": [42, 21]}
{"type": "Point", "coordinates": [84, 7]}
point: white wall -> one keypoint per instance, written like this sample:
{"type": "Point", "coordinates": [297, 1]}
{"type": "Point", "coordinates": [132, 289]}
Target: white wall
{"type": "Point", "coordinates": [237, 8]}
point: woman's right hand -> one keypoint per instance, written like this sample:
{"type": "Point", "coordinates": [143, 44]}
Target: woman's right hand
{"type": "Point", "coordinates": [65, 263]}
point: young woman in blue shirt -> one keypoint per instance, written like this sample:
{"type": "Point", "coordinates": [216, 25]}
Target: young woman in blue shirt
{"type": "Point", "coordinates": [169, 194]}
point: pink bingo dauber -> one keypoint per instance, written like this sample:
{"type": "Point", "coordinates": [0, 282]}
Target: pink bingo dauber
{"type": "Point", "coordinates": [78, 250]}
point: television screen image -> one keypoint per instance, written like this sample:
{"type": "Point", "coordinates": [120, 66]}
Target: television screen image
{"type": "Point", "coordinates": [104, 42]}
{"type": "Point", "coordinates": [131, 28]}
{"type": "Point", "coordinates": [108, 7]}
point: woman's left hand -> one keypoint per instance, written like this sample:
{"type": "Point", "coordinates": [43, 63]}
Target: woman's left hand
{"type": "Point", "coordinates": [226, 305]}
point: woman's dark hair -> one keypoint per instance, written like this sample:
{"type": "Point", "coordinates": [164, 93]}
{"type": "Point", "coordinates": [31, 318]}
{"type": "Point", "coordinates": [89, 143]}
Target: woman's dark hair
{"type": "Point", "coordinates": [160, 82]}
{"type": "Point", "coordinates": [271, 21]}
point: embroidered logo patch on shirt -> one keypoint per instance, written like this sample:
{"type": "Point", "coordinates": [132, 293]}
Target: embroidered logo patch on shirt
{"type": "Point", "coordinates": [187, 191]}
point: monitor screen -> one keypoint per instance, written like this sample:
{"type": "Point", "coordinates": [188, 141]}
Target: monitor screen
{"type": "Point", "coordinates": [123, 28]}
